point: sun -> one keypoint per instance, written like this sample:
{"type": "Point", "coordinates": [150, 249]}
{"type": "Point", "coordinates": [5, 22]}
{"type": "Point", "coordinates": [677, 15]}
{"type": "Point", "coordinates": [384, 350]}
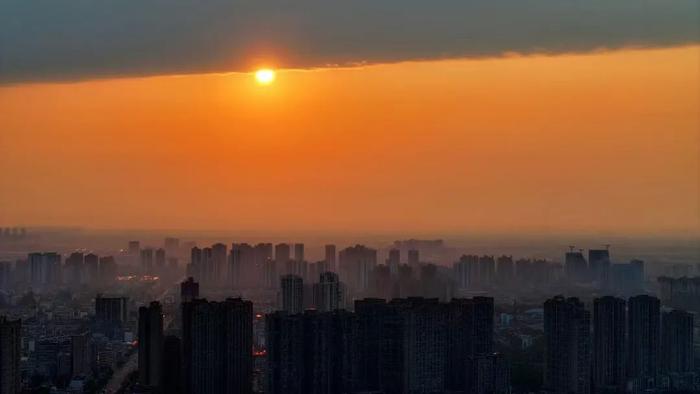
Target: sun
{"type": "Point", "coordinates": [265, 76]}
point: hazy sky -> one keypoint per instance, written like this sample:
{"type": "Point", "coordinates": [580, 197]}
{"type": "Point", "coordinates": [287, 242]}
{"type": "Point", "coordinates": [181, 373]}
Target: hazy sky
{"type": "Point", "coordinates": [604, 141]}
{"type": "Point", "coordinates": [392, 115]}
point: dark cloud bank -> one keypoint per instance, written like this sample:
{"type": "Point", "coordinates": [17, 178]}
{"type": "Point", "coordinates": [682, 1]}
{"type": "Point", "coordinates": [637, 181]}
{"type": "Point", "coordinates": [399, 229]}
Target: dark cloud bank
{"type": "Point", "coordinates": [77, 39]}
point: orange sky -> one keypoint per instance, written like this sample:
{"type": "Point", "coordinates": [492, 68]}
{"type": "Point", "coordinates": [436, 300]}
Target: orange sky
{"type": "Point", "coordinates": [595, 142]}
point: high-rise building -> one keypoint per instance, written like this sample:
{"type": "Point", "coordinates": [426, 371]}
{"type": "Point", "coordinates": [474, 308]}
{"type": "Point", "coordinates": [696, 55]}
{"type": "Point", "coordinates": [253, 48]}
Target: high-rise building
{"type": "Point", "coordinates": [466, 272]}
{"type": "Point", "coordinates": [74, 269]}
{"type": "Point", "coordinates": [487, 271]}
{"type": "Point", "coordinates": [45, 270]}
{"type": "Point", "coordinates": [134, 248]}
{"type": "Point", "coordinates": [92, 269]}
{"type": "Point", "coordinates": [219, 255]}
{"type": "Point", "coordinates": [505, 270]}
{"type": "Point", "coordinates": [172, 246]}
{"type": "Point", "coordinates": [172, 379]}
{"type": "Point", "coordinates": [194, 269]}
{"type": "Point", "coordinates": [108, 269]}
{"type": "Point", "coordinates": [282, 255]}
{"type": "Point", "coordinates": [677, 342]}
{"type": "Point", "coordinates": [327, 292]}
{"type": "Point", "coordinates": [330, 258]}
{"type": "Point", "coordinates": [576, 267]}
{"type": "Point", "coordinates": [189, 290]}
{"type": "Point", "coordinates": [567, 346]}
{"type": "Point", "coordinates": [81, 362]}
{"type": "Point", "coordinates": [413, 258]}
{"type": "Point", "coordinates": [147, 261]}
{"type": "Point", "coordinates": [394, 261]}
{"type": "Point", "coordinates": [160, 260]}
{"type": "Point", "coordinates": [151, 345]}
{"type": "Point", "coordinates": [470, 330]}
{"type": "Point", "coordinates": [292, 293]}
{"type": "Point", "coordinates": [599, 265]}
{"type": "Point", "coordinates": [299, 252]}
{"type": "Point", "coordinates": [644, 340]}
{"type": "Point", "coordinates": [284, 335]}
{"type": "Point", "coordinates": [218, 346]}
{"type": "Point", "coordinates": [356, 264]}
{"type": "Point", "coordinates": [609, 323]}
{"type": "Point", "coordinates": [111, 309]}
{"type": "Point", "coordinates": [10, 354]}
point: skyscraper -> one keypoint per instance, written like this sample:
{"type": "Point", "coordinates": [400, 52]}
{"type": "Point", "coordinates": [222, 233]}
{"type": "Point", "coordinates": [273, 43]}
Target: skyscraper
{"type": "Point", "coordinates": [677, 342]}
{"type": "Point", "coordinates": [643, 340]}
{"type": "Point", "coordinates": [147, 261]}
{"type": "Point", "coordinates": [567, 346]}
{"type": "Point", "coordinates": [92, 269]}
{"type": "Point", "coordinates": [111, 309]}
{"type": "Point", "coordinates": [10, 354]}
{"type": "Point", "coordinates": [292, 288]}
{"type": "Point", "coordinates": [172, 246]}
{"type": "Point", "coordinates": [134, 248]}
{"type": "Point", "coordinates": [394, 261]}
{"type": "Point", "coordinates": [45, 270]}
{"type": "Point", "coordinates": [282, 255]}
{"type": "Point", "coordinates": [80, 355]}
{"type": "Point", "coordinates": [599, 264]}
{"type": "Point", "coordinates": [189, 290]}
{"type": "Point", "coordinates": [299, 252]}
{"type": "Point", "coordinates": [160, 261]}
{"type": "Point", "coordinates": [487, 271]}
{"type": "Point", "coordinates": [151, 345]}
{"type": "Point", "coordinates": [172, 365]}
{"type": "Point", "coordinates": [576, 267]}
{"type": "Point", "coordinates": [218, 346]}
{"type": "Point", "coordinates": [219, 255]}
{"type": "Point", "coordinates": [413, 258]}
{"type": "Point", "coordinates": [327, 292]}
{"type": "Point", "coordinates": [356, 264]}
{"type": "Point", "coordinates": [609, 323]}
{"type": "Point", "coordinates": [330, 258]}
{"type": "Point", "coordinates": [505, 270]}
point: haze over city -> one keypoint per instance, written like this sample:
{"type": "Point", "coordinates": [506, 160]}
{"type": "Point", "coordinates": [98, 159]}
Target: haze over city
{"type": "Point", "coordinates": [367, 196]}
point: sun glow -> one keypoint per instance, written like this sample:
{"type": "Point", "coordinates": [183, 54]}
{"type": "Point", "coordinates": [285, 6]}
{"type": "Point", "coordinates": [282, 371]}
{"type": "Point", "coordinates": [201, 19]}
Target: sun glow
{"type": "Point", "coordinates": [265, 76]}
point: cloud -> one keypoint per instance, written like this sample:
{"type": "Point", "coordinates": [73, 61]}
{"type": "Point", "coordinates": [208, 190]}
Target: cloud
{"type": "Point", "coordinates": [77, 39]}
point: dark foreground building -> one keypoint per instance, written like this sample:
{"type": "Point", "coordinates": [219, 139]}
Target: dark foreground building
{"type": "Point", "coordinates": [567, 352]}
{"type": "Point", "coordinates": [10, 342]}
{"type": "Point", "coordinates": [412, 345]}
{"type": "Point", "coordinates": [218, 346]}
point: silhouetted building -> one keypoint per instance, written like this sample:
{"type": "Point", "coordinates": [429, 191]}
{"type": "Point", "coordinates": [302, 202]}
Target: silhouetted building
{"type": "Point", "coordinates": [10, 354]}
{"type": "Point", "coordinates": [567, 359]}
{"type": "Point", "coordinates": [172, 366]}
{"type": "Point", "coordinates": [92, 269]}
{"type": "Point", "coordinates": [394, 261]}
{"type": "Point", "coordinates": [299, 252]}
{"type": "Point", "coordinates": [151, 345]}
{"type": "Point", "coordinates": [599, 265]}
{"type": "Point", "coordinates": [677, 342]}
{"type": "Point", "coordinates": [330, 258]}
{"type": "Point", "coordinates": [219, 258]}
{"type": "Point", "coordinates": [327, 292]}
{"type": "Point", "coordinates": [643, 340]}
{"type": "Point", "coordinates": [81, 360]}
{"type": "Point", "coordinates": [487, 271]}
{"type": "Point", "coordinates": [160, 261]}
{"type": "Point", "coordinates": [292, 292]}
{"type": "Point", "coordinates": [45, 270]}
{"type": "Point", "coordinates": [111, 309]}
{"type": "Point", "coordinates": [609, 323]}
{"type": "Point", "coordinates": [356, 264]}
{"type": "Point", "coordinates": [189, 290]}
{"type": "Point", "coordinates": [134, 249]}
{"type": "Point", "coordinates": [147, 261]}
{"type": "Point", "coordinates": [576, 267]}
{"type": "Point", "coordinates": [505, 270]}
{"type": "Point", "coordinates": [413, 258]}
{"type": "Point", "coordinates": [218, 346]}
{"type": "Point", "coordinates": [466, 272]}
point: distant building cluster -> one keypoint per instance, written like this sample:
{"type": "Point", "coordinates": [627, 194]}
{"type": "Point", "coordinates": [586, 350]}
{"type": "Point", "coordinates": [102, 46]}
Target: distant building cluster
{"type": "Point", "coordinates": [261, 318]}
